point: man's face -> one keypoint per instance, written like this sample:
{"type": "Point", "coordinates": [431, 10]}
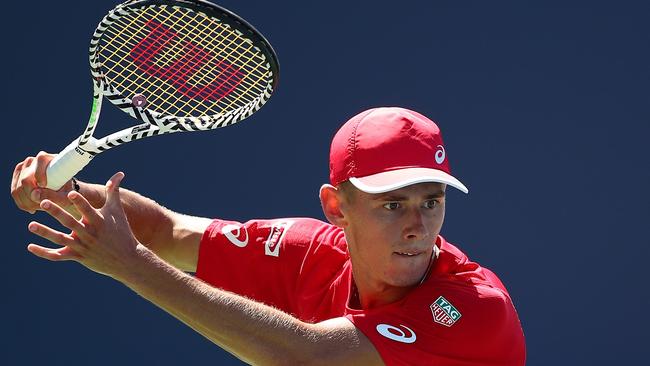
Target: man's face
{"type": "Point", "coordinates": [391, 235]}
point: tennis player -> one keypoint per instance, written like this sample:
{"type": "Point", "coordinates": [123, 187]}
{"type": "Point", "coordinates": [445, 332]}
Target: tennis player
{"type": "Point", "coordinates": [376, 285]}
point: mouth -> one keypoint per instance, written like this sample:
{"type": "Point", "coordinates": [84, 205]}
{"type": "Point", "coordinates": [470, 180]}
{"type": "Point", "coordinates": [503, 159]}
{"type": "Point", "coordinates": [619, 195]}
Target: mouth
{"type": "Point", "coordinates": [409, 253]}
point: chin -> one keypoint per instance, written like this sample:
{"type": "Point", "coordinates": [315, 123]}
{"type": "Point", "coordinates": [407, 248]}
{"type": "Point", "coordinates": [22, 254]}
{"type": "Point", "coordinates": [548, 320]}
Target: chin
{"type": "Point", "coordinates": [406, 274]}
{"type": "Point", "coordinates": [405, 280]}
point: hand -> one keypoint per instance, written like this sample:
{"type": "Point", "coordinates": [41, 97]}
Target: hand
{"type": "Point", "coordinates": [101, 240]}
{"type": "Point", "coordinates": [29, 180]}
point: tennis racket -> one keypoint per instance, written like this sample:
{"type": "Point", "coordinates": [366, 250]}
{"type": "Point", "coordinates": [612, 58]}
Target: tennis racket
{"type": "Point", "coordinates": [175, 66]}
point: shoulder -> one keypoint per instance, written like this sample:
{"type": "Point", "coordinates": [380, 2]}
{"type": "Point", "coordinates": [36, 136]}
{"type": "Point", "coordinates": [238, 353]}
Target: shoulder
{"type": "Point", "coordinates": [469, 305]}
{"type": "Point", "coordinates": [459, 290]}
{"type": "Point", "coordinates": [469, 308]}
{"type": "Point", "coordinates": [470, 317]}
{"type": "Point", "coordinates": [461, 311]}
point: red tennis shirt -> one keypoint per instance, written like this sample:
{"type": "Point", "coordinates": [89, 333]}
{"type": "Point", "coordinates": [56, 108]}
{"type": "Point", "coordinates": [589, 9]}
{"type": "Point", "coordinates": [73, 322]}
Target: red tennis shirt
{"type": "Point", "coordinates": [461, 315]}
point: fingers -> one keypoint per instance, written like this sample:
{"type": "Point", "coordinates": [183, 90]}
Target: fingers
{"type": "Point", "coordinates": [64, 217]}
{"type": "Point", "coordinates": [87, 211]}
{"type": "Point", "coordinates": [27, 177]}
{"type": "Point", "coordinates": [113, 206]}
{"type": "Point", "coordinates": [22, 185]}
{"type": "Point", "coordinates": [60, 254]}
{"type": "Point", "coordinates": [113, 183]}
{"type": "Point", "coordinates": [55, 236]}
{"type": "Point", "coordinates": [40, 172]}
{"type": "Point", "coordinates": [14, 178]}
{"type": "Point", "coordinates": [113, 190]}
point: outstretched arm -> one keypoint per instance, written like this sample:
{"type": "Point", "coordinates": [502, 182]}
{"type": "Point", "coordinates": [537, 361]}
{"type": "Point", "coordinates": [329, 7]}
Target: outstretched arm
{"type": "Point", "coordinates": [172, 236]}
{"type": "Point", "coordinates": [102, 241]}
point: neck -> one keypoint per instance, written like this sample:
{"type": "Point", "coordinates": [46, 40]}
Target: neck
{"type": "Point", "coordinates": [364, 295]}
{"type": "Point", "coordinates": [372, 298]}
{"type": "Point", "coordinates": [367, 294]}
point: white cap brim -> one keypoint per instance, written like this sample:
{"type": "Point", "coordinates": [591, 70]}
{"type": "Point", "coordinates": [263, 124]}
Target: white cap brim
{"type": "Point", "coordinates": [396, 179]}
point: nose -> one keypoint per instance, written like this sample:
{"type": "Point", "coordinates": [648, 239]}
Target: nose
{"type": "Point", "coordinates": [414, 226]}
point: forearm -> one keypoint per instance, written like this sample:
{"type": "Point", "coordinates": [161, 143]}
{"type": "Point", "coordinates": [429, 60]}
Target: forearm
{"type": "Point", "coordinates": [256, 333]}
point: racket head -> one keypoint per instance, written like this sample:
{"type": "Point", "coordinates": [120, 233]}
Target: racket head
{"type": "Point", "coordinates": [188, 65]}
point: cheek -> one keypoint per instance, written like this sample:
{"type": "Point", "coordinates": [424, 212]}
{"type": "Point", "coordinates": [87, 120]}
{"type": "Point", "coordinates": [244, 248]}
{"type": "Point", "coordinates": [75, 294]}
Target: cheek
{"type": "Point", "coordinates": [437, 223]}
{"type": "Point", "coordinates": [436, 220]}
{"type": "Point", "coordinates": [369, 239]}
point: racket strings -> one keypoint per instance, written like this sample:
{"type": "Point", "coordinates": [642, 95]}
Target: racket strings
{"type": "Point", "coordinates": [186, 63]}
{"type": "Point", "coordinates": [229, 82]}
{"type": "Point", "coordinates": [187, 59]}
{"type": "Point", "coordinates": [174, 56]}
{"type": "Point", "coordinates": [168, 75]}
{"type": "Point", "coordinates": [236, 75]}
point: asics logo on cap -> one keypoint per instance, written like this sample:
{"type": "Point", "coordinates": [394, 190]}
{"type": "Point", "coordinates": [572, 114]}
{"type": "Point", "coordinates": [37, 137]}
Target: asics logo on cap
{"type": "Point", "coordinates": [440, 154]}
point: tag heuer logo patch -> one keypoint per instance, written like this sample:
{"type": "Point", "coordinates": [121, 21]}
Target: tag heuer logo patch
{"type": "Point", "coordinates": [444, 312]}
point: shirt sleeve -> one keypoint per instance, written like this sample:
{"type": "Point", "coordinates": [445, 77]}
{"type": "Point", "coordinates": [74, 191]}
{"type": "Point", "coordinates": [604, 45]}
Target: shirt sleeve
{"type": "Point", "coordinates": [258, 259]}
{"type": "Point", "coordinates": [446, 324]}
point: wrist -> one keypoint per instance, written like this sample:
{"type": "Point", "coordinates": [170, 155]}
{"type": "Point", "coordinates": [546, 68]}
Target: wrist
{"type": "Point", "coordinates": [138, 268]}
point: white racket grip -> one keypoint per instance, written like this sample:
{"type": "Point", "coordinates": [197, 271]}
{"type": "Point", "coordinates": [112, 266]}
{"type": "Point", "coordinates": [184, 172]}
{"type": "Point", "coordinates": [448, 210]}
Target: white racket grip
{"type": "Point", "coordinates": [65, 165]}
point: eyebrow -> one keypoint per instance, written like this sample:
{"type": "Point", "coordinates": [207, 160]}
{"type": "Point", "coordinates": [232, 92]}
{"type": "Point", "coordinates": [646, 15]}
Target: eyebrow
{"type": "Point", "coordinates": [397, 197]}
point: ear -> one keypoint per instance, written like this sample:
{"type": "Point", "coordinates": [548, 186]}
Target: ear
{"type": "Point", "coordinates": [330, 200]}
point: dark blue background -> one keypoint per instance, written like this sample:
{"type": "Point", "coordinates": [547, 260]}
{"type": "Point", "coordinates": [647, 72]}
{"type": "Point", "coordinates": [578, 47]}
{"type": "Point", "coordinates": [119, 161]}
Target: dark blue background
{"type": "Point", "coordinates": [544, 108]}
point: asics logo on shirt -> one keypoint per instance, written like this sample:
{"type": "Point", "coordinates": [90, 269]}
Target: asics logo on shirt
{"type": "Point", "coordinates": [440, 154]}
{"type": "Point", "coordinates": [234, 234]}
{"type": "Point", "coordinates": [397, 333]}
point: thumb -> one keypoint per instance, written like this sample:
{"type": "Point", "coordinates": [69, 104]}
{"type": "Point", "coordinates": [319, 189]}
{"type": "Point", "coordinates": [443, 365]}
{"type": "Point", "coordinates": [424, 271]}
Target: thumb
{"type": "Point", "coordinates": [113, 190]}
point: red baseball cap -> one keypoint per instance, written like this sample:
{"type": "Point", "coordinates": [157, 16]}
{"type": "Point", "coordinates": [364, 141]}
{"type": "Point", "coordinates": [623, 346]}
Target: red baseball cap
{"type": "Point", "coordinates": [387, 148]}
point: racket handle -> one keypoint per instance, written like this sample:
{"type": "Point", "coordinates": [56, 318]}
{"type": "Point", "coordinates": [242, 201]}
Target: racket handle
{"type": "Point", "coordinates": [66, 164]}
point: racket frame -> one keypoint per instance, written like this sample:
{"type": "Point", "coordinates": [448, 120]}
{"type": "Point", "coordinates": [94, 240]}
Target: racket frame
{"type": "Point", "coordinates": [74, 157]}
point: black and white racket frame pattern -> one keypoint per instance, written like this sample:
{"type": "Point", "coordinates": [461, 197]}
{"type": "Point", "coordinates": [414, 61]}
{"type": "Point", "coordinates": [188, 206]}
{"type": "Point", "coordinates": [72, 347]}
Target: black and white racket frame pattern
{"type": "Point", "coordinates": [81, 150]}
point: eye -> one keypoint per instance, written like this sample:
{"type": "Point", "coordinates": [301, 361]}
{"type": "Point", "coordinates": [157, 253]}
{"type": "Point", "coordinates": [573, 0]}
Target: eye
{"type": "Point", "coordinates": [391, 206]}
{"type": "Point", "coordinates": [430, 204]}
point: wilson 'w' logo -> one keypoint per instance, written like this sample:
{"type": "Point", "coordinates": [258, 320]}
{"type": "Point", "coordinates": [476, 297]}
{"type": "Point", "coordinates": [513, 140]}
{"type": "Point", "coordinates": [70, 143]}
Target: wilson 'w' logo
{"type": "Point", "coordinates": [182, 60]}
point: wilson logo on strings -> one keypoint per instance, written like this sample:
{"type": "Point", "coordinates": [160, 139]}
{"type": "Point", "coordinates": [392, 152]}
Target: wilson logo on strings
{"type": "Point", "coordinates": [182, 60]}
